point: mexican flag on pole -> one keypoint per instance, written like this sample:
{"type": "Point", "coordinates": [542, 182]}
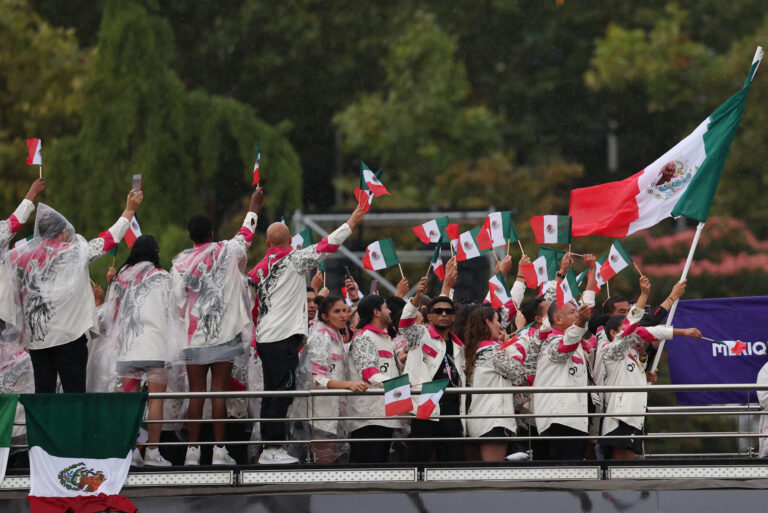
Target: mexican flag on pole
{"type": "Point", "coordinates": [364, 198]}
{"type": "Point", "coordinates": [618, 259]}
{"type": "Point", "coordinates": [546, 265]}
{"type": "Point", "coordinates": [380, 255]}
{"type": "Point", "coordinates": [256, 166]}
{"type": "Point", "coordinates": [499, 291]}
{"type": "Point", "coordinates": [437, 263]}
{"type": "Point", "coordinates": [7, 414]}
{"type": "Point", "coordinates": [450, 234]}
{"type": "Point", "coordinates": [682, 182]}
{"type": "Point", "coordinates": [467, 246]}
{"type": "Point", "coordinates": [35, 147]}
{"type": "Point", "coordinates": [551, 229]}
{"type": "Point", "coordinates": [23, 242]}
{"type": "Point", "coordinates": [80, 449]}
{"type": "Point", "coordinates": [734, 346]}
{"type": "Point", "coordinates": [431, 231]}
{"type": "Point", "coordinates": [397, 396]}
{"type": "Point", "coordinates": [430, 397]}
{"type": "Point", "coordinates": [302, 239]}
{"type": "Point", "coordinates": [584, 276]}
{"type": "Point", "coordinates": [567, 290]}
{"type": "Point", "coordinates": [497, 230]}
{"type": "Point", "coordinates": [133, 232]}
{"type": "Point", "coordinates": [370, 180]}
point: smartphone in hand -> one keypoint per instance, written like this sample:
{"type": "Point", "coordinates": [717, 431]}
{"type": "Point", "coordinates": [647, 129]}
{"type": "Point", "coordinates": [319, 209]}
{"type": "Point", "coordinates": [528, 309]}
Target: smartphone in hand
{"type": "Point", "coordinates": [136, 183]}
{"type": "Point", "coordinates": [374, 286]}
{"type": "Point", "coordinates": [347, 274]}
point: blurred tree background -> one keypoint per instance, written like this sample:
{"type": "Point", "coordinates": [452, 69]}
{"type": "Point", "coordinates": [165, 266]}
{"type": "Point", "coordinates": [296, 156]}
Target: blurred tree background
{"type": "Point", "coordinates": [465, 104]}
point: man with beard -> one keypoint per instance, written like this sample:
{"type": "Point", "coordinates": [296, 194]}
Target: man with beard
{"type": "Point", "coordinates": [434, 353]}
{"type": "Point", "coordinates": [372, 359]}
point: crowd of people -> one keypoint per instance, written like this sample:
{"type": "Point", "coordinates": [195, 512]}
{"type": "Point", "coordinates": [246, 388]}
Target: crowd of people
{"type": "Point", "coordinates": [187, 327]}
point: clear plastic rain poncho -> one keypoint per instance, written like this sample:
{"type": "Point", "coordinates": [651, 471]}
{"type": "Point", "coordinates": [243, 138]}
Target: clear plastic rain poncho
{"type": "Point", "coordinates": [51, 281]}
{"type": "Point", "coordinates": [140, 336]}
{"type": "Point", "coordinates": [210, 293]}
{"type": "Point", "coordinates": [322, 360]}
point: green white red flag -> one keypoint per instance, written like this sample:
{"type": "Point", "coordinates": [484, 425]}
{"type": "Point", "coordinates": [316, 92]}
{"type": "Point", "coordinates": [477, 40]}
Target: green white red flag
{"type": "Point", "coordinates": [567, 289]}
{"type": "Point", "coordinates": [35, 147]}
{"type": "Point", "coordinates": [371, 181]}
{"type": "Point", "coordinates": [546, 265]}
{"type": "Point", "coordinates": [583, 277]}
{"type": "Point", "coordinates": [682, 182]}
{"type": "Point", "coordinates": [451, 234]}
{"type": "Point", "coordinates": [497, 230]}
{"type": "Point", "coordinates": [380, 255]}
{"type": "Point", "coordinates": [618, 260]}
{"type": "Point", "coordinates": [256, 177]}
{"type": "Point", "coordinates": [302, 239]}
{"type": "Point", "coordinates": [397, 396]}
{"type": "Point", "coordinates": [80, 449]}
{"type": "Point", "coordinates": [551, 229]}
{"type": "Point", "coordinates": [7, 415]}
{"type": "Point", "coordinates": [498, 290]}
{"type": "Point", "coordinates": [133, 232]}
{"type": "Point", "coordinates": [437, 263]}
{"type": "Point", "coordinates": [467, 247]}
{"type": "Point", "coordinates": [364, 198]}
{"type": "Point", "coordinates": [430, 397]}
{"type": "Point", "coordinates": [431, 231]}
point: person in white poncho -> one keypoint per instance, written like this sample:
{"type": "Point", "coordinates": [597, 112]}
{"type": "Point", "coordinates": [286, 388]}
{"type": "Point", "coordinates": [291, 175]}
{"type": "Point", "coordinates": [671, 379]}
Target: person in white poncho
{"type": "Point", "coordinates": [141, 332]}
{"type": "Point", "coordinates": [322, 364]}
{"type": "Point", "coordinates": [52, 284]}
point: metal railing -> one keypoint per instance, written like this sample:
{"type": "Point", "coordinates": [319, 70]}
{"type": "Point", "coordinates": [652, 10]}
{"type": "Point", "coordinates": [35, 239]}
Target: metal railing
{"type": "Point", "coordinates": [732, 411]}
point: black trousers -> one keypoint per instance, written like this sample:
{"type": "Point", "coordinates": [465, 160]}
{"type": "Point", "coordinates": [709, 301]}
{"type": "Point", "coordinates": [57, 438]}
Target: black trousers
{"type": "Point", "coordinates": [279, 360]}
{"type": "Point", "coordinates": [422, 452]}
{"type": "Point", "coordinates": [370, 452]}
{"type": "Point", "coordinates": [68, 361]}
{"type": "Point", "coordinates": [565, 449]}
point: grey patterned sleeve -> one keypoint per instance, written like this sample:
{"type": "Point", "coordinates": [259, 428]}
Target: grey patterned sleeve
{"type": "Point", "coordinates": [412, 335]}
{"type": "Point", "coordinates": [617, 348]}
{"type": "Point", "coordinates": [364, 354]}
{"type": "Point", "coordinates": [554, 354]}
{"type": "Point", "coordinates": [509, 367]}
{"type": "Point", "coordinates": [95, 249]}
{"type": "Point", "coordinates": [319, 352]}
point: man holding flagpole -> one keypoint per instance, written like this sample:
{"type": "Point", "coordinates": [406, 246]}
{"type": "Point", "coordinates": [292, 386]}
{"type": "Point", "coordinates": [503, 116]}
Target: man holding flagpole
{"type": "Point", "coordinates": [281, 320]}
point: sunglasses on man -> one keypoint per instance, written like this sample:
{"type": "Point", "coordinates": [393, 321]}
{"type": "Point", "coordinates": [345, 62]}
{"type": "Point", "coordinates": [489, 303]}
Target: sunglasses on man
{"type": "Point", "coordinates": [441, 311]}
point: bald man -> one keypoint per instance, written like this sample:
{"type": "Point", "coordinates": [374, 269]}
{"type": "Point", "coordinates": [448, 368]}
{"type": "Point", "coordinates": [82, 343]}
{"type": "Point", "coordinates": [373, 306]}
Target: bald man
{"type": "Point", "coordinates": [281, 320]}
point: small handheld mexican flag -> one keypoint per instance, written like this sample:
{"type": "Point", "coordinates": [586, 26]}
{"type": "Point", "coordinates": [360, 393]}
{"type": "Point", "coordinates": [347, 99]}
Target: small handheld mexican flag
{"type": "Point", "coordinates": [7, 414]}
{"type": "Point", "coordinates": [364, 198]}
{"type": "Point", "coordinates": [551, 229]}
{"type": "Point", "coordinates": [80, 449]}
{"type": "Point", "coordinates": [568, 289]}
{"type": "Point", "coordinates": [584, 276]}
{"type": "Point", "coordinates": [256, 177]}
{"type": "Point", "coordinates": [497, 230]}
{"type": "Point", "coordinates": [734, 346]}
{"type": "Point", "coordinates": [23, 242]}
{"type": "Point", "coordinates": [499, 291]}
{"type": "Point", "coordinates": [450, 233]}
{"type": "Point", "coordinates": [380, 255]}
{"type": "Point", "coordinates": [133, 233]}
{"type": "Point", "coordinates": [35, 147]}
{"type": "Point", "coordinates": [430, 397]}
{"type": "Point", "coordinates": [618, 259]}
{"type": "Point", "coordinates": [546, 265]}
{"type": "Point", "coordinates": [397, 396]}
{"type": "Point", "coordinates": [302, 239]}
{"type": "Point", "coordinates": [371, 181]}
{"type": "Point", "coordinates": [437, 263]}
{"type": "Point", "coordinates": [431, 231]}
{"type": "Point", "coordinates": [467, 247]}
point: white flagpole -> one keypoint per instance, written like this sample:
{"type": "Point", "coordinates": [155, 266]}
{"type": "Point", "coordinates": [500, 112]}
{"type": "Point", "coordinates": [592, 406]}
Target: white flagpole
{"type": "Point", "coordinates": [672, 310]}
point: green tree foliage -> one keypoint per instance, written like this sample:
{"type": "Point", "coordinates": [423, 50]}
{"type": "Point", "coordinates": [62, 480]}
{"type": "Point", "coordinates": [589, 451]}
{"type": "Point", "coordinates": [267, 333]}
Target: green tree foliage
{"type": "Point", "coordinates": [194, 150]}
{"type": "Point", "coordinates": [421, 121]}
{"type": "Point", "coordinates": [41, 71]}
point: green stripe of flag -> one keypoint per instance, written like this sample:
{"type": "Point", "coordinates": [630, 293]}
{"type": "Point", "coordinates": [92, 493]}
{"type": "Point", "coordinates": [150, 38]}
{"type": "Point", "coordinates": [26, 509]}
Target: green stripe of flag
{"type": "Point", "coordinates": [622, 251]}
{"type": "Point", "coordinates": [553, 257]}
{"type": "Point", "coordinates": [564, 229]}
{"type": "Point", "coordinates": [474, 231]}
{"type": "Point", "coordinates": [7, 414]}
{"type": "Point", "coordinates": [91, 425]}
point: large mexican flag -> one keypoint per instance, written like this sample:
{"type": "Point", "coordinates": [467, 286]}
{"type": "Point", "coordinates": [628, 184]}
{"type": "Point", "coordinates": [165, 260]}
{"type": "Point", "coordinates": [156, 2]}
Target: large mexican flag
{"type": "Point", "coordinates": [682, 182]}
{"type": "Point", "coordinates": [80, 450]}
{"type": "Point", "coordinates": [7, 414]}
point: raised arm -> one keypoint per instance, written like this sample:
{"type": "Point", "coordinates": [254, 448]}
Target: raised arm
{"type": "Point", "coordinates": [244, 236]}
{"type": "Point", "coordinates": [451, 275]}
{"type": "Point", "coordinates": [109, 239]}
{"type": "Point", "coordinates": [311, 256]}
{"type": "Point", "coordinates": [13, 224]}
{"type": "Point", "coordinates": [408, 328]}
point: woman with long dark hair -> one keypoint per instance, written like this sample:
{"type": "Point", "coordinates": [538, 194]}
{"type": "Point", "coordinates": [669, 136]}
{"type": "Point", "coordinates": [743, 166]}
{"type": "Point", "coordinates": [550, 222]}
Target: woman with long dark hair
{"type": "Point", "coordinates": [491, 362]}
{"type": "Point", "coordinates": [139, 334]}
{"type": "Point", "coordinates": [322, 364]}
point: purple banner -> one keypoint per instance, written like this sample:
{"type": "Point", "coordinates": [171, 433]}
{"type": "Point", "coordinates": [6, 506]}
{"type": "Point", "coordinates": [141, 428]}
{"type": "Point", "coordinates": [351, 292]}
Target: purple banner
{"type": "Point", "coordinates": [700, 361]}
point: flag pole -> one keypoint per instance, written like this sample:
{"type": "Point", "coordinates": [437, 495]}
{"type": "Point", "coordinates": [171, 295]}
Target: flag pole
{"type": "Point", "coordinates": [521, 247]}
{"type": "Point", "coordinates": [324, 273]}
{"type": "Point", "coordinates": [672, 310]}
{"type": "Point", "coordinates": [494, 255]}
{"type": "Point", "coordinates": [41, 170]}
{"type": "Point", "coordinates": [608, 289]}
{"type": "Point", "coordinates": [638, 269]}
{"type": "Point", "coordinates": [508, 242]}
{"type": "Point", "coordinates": [401, 270]}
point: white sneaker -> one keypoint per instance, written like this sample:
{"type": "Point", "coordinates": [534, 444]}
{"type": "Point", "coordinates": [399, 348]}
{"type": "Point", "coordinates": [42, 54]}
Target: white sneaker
{"type": "Point", "coordinates": [221, 456]}
{"type": "Point", "coordinates": [136, 459]}
{"type": "Point", "coordinates": [153, 458]}
{"type": "Point", "coordinates": [517, 456]}
{"type": "Point", "coordinates": [270, 456]}
{"type": "Point", "coordinates": [193, 456]}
